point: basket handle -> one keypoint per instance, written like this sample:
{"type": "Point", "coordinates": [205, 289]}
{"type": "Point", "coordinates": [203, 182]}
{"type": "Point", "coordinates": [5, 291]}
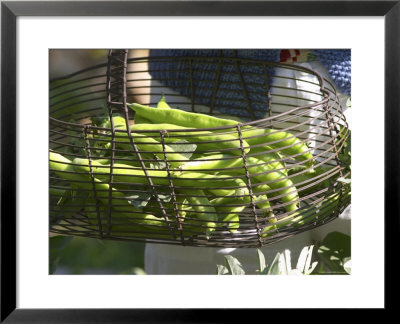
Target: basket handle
{"type": "Point", "coordinates": [116, 102]}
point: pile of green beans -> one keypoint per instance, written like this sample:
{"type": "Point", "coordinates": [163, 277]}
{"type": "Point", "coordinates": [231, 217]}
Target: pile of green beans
{"type": "Point", "coordinates": [210, 187]}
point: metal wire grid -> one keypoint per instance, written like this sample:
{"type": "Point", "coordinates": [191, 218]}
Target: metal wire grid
{"type": "Point", "coordinates": [86, 93]}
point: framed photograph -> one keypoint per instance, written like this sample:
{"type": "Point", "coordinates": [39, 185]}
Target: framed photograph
{"type": "Point", "coordinates": [39, 40]}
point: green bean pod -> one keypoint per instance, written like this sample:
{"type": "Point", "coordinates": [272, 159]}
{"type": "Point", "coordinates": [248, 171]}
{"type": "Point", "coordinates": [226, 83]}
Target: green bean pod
{"type": "Point", "coordinates": [196, 208]}
{"type": "Point", "coordinates": [307, 176]}
{"type": "Point", "coordinates": [56, 192]}
{"type": "Point", "coordinates": [163, 102]}
{"type": "Point", "coordinates": [180, 117]}
{"type": "Point", "coordinates": [212, 162]}
{"type": "Point", "coordinates": [263, 201]}
{"type": "Point", "coordinates": [229, 209]}
{"type": "Point", "coordinates": [270, 157]}
{"type": "Point", "coordinates": [258, 169]}
{"type": "Point", "coordinates": [126, 174]}
{"type": "Point", "coordinates": [289, 144]}
{"type": "Point", "coordinates": [226, 162]}
{"type": "Point", "coordinates": [276, 180]}
{"type": "Point", "coordinates": [179, 212]}
{"type": "Point", "coordinates": [63, 168]}
{"type": "Point", "coordinates": [141, 120]}
{"type": "Point", "coordinates": [130, 162]}
{"type": "Point", "coordinates": [229, 214]}
{"type": "Point", "coordinates": [306, 215]}
{"type": "Point", "coordinates": [201, 214]}
{"type": "Point", "coordinates": [219, 183]}
{"type": "Point", "coordinates": [129, 224]}
{"type": "Point", "coordinates": [118, 122]}
{"type": "Point", "coordinates": [204, 210]}
{"type": "Point", "coordinates": [190, 225]}
{"type": "Point", "coordinates": [205, 140]}
{"type": "Point", "coordinates": [149, 144]}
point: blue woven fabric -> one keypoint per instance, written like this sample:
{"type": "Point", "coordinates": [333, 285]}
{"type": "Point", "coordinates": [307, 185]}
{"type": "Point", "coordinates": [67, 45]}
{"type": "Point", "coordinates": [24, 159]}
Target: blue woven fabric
{"type": "Point", "coordinates": [229, 97]}
{"type": "Point", "coordinates": [338, 65]}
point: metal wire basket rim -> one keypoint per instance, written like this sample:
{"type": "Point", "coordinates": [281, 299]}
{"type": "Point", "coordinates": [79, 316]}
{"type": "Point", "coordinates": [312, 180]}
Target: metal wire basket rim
{"type": "Point", "coordinates": [219, 58]}
{"type": "Point", "coordinates": [177, 95]}
{"type": "Point", "coordinates": [240, 124]}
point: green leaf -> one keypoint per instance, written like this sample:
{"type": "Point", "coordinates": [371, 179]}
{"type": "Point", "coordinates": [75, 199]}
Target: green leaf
{"type": "Point", "coordinates": [53, 263]}
{"type": "Point", "coordinates": [304, 262]}
{"type": "Point", "coordinates": [344, 180]}
{"type": "Point", "coordinates": [165, 197]}
{"type": "Point", "coordinates": [333, 251]}
{"type": "Point", "coordinates": [138, 271]}
{"type": "Point", "coordinates": [65, 198]}
{"type": "Point", "coordinates": [262, 267]}
{"type": "Point", "coordinates": [222, 270]}
{"type": "Point", "coordinates": [59, 242]}
{"type": "Point", "coordinates": [234, 266]}
{"type": "Point", "coordinates": [347, 265]}
{"type": "Point", "coordinates": [339, 242]}
{"type": "Point", "coordinates": [287, 262]}
{"type": "Point", "coordinates": [348, 102]}
{"type": "Point", "coordinates": [275, 267]}
{"type": "Point", "coordinates": [101, 120]}
{"type": "Point", "coordinates": [158, 165]}
{"type": "Point", "coordinates": [184, 147]}
{"type": "Point", "coordinates": [139, 200]}
{"type": "Point", "coordinates": [70, 204]}
{"type": "Point", "coordinates": [56, 244]}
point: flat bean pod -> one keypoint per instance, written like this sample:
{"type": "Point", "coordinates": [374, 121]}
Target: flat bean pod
{"type": "Point", "coordinates": [289, 144]}
{"type": "Point", "coordinates": [229, 209]}
{"type": "Point", "coordinates": [303, 216]}
{"type": "Point", "coordinates": [149, 144]}
{"type": "Point", "coordinates": [126, 174]}
{"type": "Point", "coordinates": [163, 102]}
{"type": "Point", "coordinates": [190, 225]}
{"type": "Point", "coordinates": [131, 162]}
{"type": "Point", "coordinates": [227, 162]}
{"type": "Point", "coordinates": [129, 224]}
{"type": "Point", "coordinates": [63, 168]}
{"type": "Point", "coordinates": [229, 214]}
{"type": "Point", "coordinates": [204, 140]}
{"type": "Point", "coordinates": [261, 171]}
{"type": "Point", "coordinates": [305, 178]}
{"type": "Point", "coordinates": [141, 120]}
{"type": "Point", "coordinates": [180, 117]}
{"type": "Point", "coordinates": [204, 210]}
{"type": "Point", "coordinates": [212, 162]}
{"type": "Point", "coordinates": [153, 208]}
{"type": "Point", "coordinates": [263, 201]}
{"type": "Point", "coordinates": [270, 157]}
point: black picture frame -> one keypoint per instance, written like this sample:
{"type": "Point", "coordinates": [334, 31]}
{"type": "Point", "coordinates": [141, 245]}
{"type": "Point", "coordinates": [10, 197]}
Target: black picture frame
{"type": "Point", "coordinates": [10, 10]}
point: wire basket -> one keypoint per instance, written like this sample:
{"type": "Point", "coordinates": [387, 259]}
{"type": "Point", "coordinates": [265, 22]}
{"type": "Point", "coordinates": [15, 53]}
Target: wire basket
{"type": "Point", "coordinates": [275, 169]}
